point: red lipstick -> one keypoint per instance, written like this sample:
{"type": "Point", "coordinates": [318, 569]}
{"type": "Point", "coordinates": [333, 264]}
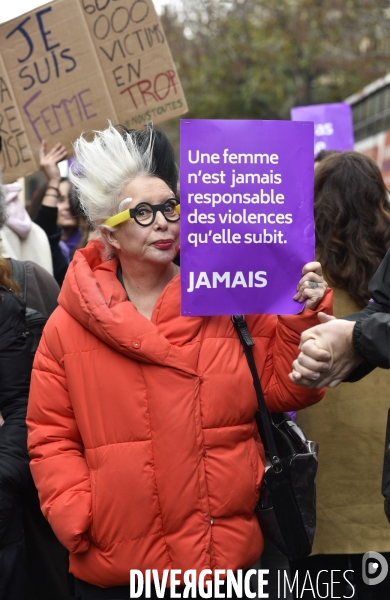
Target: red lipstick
{"type": "Point", "coordinates": [163, 244]}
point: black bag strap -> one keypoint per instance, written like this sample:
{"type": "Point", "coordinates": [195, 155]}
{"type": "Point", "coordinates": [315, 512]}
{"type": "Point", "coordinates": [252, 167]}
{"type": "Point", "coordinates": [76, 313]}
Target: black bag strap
{"type": "Point", "coordinates": [262, 413]}
{"type": "Point", "coordinates": [18, 270]}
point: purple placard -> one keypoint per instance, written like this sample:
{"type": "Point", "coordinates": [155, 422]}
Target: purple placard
{"type": "Point", "coordinates": [247, 224]}
{"type": "Point", "coordinates": [333, 126]}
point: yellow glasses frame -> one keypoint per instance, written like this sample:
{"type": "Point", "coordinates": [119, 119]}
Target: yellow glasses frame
{"type": "Point", "coordinates": [125, 216]}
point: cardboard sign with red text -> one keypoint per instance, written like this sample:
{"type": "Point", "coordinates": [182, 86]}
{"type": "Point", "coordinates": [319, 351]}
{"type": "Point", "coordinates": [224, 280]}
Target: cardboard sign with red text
{"type": "Point", "coordinates": [70, 65]}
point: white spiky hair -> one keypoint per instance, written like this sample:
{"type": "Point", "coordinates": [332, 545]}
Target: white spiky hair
{"type": "Point", "coordinates": [105, 165]}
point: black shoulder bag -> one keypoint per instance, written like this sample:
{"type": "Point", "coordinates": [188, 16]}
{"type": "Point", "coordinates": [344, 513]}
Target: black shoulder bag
{"type": "Point", "coordinates": [286, 508]}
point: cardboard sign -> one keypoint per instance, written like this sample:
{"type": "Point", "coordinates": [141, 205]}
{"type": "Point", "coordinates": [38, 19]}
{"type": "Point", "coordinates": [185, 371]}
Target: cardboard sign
{"type": "Point", "coordinates": [247, 222]}
{"type": "Point", "coordinates": [333, 126]}
{"type": "Point", "coordinates": [69, 66]}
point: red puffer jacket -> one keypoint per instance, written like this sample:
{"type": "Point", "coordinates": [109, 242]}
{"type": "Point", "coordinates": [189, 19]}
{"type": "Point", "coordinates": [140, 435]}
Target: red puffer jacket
{"type": "Point", "coordinates": [144, 448]}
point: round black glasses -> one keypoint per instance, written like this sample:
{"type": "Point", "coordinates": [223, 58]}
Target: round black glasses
{"type": "Point", "coordinates": [145, 214]}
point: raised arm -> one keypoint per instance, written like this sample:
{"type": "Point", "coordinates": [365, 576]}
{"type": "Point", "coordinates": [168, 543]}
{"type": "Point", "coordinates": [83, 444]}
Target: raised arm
{"type": "Point", "coordinates": [48, 162]}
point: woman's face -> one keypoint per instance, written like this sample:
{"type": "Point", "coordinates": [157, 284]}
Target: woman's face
{"type": "Point", "coordinates": [157, 243]}
{"type": "Point", "coordinates": [65, 218]}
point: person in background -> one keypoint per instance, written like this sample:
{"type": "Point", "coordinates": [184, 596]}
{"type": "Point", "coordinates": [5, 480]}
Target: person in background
{"type": "Point", "coordinates": [33, 563]}
{"type": "Point", "coordinates": [55, 209]}
{"type": "Point", "coordinates": [142, 436]}
{"type": "Point", "coordinates": [352, 222]}
{"type": "Point", "coordinates": [21, 238]}
{"type": "Point", "coordinates": [15, 368]}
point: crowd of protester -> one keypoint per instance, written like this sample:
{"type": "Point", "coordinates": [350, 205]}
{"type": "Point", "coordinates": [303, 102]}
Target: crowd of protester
{"type": "Point", "coordinates": [124, 390]}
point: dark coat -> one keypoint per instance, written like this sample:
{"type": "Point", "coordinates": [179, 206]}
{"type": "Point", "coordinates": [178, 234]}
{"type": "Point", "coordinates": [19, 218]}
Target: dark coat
{"type": "Point", "coordinates": [371, 339]}
{"type": "Point", "coordinates": [33, 566]}
{"type": "Point", "coordinates": [47, 559]}
{"type": "Point", "coordinates": [42, 289]}
{"type": "Point", "coordinates": [15, 369]}
{"type": "Point", "coordinates": [371, 333]}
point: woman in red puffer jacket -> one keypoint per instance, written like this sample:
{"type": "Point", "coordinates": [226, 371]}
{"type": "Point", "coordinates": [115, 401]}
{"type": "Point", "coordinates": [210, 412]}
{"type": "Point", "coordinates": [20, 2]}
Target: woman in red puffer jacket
{"type": "Point", "coordinates": [142, 436]}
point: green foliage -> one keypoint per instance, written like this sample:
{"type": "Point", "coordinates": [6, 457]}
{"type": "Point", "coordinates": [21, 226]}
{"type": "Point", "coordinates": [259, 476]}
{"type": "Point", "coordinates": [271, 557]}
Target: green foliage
{"type": "Point", "coordinates": [255, 59]}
